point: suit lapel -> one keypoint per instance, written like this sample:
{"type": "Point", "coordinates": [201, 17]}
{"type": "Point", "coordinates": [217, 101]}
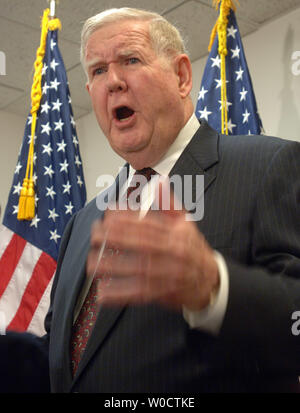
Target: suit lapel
{"type": "Point", "coordinates": [197, 158]}
{"type": "Point", "coordinates": [106, 316]}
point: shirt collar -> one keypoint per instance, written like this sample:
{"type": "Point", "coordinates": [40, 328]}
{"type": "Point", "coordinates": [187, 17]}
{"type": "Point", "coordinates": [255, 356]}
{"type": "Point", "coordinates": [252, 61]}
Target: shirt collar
{"type": "Point", "coordinates": [165, 165]}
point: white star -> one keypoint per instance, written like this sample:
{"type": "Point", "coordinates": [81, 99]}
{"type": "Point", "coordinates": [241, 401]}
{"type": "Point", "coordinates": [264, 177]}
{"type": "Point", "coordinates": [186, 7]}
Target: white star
{"type": "Point", "coordinates": [243, 94]}
{"type": "Point", "coordinates": [227, 105]}
{"type": "Point", "coordinates": [53, 64]}
{"type": "Point", "coordinates": [44, 69]}
{"type": "Point", "coordinates": [35, 221]}
{"type": "Point", "coordinates": [56, 105]}
{"type": "Point", "coordinates": [230, 125]}
{"type": "Point", "coordinates": [17, 188]}
{"type": "Point", "coordinates": [77, 160]}
{"type": "Point", "coordinates": [79, 181]}
{"type": "Point", "coordinates": [54, 236]}
{"type": "Point", "coordinates": [46, 128]}
{"type": "Point", "coordinates": [52, 44]}
{"type": "Point", "coordinates": [29, 120]}
{"type": "Point", "coordinates": [216, 61]}
{"type": "Point", "coordinates": [34, 178]}
{"type": "Point", "coordinates": [219, 82]}
{"type": "Point", "coordinates": [231, 31]}
{"type": "Point", "coordinates": [49, 171]}
{"type": "Point", "coordinates": [45, 88]}
{"type": "Point", "coordinates": [52, 214]}
{"type": "Point", "coordinates": [34, 158]}
{"type": "Point", "coordinates": [239, 74]}
{"type": "Point", "coordinates": [55, 84]}
{"type": "Point", "coordinates": [59, 125]}
{"type": "Point", "coordinates": [69, 208]}
{"type": "Point", "coordinates": [67, 188]}
{"type": "Point", "coordinates": [64, 166]}
{"type": "Point", "coordinates": [29, 139]}
{"type": "Point", "coordinates": [75, 140]}
{"type": "Point", "coordinates": [18, 167]}
{"type": "Point", "coordinates": [235, 53]}
{"type": "Point", "coordinates": [16, 209]}
{"type": "Point", "coordinates": [201, 95]}
{"type": "Point", "coordinates": [50, 192]}
{"type": "Point", "coordinates": [69, 99]}
{"type": "Point", "coordinates": [204, 113]}
{"type": "Point", "coordinates": [246, 116]}
{"type": "Point", "coordinates": [61, 146]}
{"type": "Point", "coordinates": [47, 149]}
{"type": "Point", "coordinates": [45, 107]}
{"type": "Point", "coordinates": [72, 120]}
{"type": "Point", "coordinates": [36, 200]}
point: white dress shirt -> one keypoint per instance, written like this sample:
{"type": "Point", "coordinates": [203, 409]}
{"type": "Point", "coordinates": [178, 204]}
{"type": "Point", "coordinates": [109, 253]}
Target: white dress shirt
{"type": "Point", "coordinates": [210, 318]}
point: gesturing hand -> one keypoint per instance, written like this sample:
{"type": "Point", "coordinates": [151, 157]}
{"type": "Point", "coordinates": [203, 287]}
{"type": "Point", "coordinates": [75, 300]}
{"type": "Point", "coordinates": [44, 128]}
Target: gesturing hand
{"type": "Point", "coordinates": [162, 258]}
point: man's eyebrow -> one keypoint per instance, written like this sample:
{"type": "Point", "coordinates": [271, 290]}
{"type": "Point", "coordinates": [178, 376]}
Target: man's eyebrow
{"type": "Point", "coordinates": [93, 62]}
{"type": "Point", "coordinates": [120, 54]}
{"type": "Point", "coordinates": [126, 52]}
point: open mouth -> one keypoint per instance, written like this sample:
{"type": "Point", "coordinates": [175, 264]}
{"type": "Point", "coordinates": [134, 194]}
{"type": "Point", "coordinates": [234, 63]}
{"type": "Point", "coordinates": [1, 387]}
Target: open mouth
{"type": "Point", "coordinates": [123, 113]}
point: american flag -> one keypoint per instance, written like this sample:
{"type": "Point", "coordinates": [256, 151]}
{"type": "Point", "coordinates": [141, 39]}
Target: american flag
{"type": "Point", "coordinates": [243, 117]}
{"type": "Point", "coordinates": [29, 249]}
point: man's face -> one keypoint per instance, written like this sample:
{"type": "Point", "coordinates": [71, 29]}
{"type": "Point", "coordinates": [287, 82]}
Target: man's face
{"type": "Point", "coordinates": [135, 93]}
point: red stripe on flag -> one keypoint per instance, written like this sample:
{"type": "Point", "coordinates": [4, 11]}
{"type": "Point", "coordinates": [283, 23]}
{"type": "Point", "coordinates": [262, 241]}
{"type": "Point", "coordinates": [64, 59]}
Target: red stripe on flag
{"type": "Point", "coordinates": [9, 260]}
{"type": "Point", "coordinates": [41, 276]}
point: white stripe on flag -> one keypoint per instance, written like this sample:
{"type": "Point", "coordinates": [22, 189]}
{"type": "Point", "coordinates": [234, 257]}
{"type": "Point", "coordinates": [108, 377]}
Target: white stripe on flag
{"type": "Point", "coordinates": [5, 237]}
{"type": "Point", "coordinates": [12, 296]}
{"type": "Point", "coordinates": [36, 325]}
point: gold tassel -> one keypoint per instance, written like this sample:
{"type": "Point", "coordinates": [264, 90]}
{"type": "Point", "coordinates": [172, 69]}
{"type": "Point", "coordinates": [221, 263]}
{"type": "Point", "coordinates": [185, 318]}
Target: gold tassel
{"type": "Point", "coordinates": [30, 201]}
{"type": "Point", "coordinates": [26, 210]}
{"type": "Point", "coordinates": [22, 200]}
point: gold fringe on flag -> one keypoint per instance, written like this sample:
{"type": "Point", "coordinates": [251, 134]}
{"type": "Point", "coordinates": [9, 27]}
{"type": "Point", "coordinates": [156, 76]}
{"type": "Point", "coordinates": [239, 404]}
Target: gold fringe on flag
{"type": "Point", "coordinates": [26, 210]}
{"type": "Point", "coordinates": [221, 28]}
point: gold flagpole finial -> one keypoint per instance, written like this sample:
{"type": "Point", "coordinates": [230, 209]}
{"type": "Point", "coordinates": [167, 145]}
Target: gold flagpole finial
{"type": "Point", "coordinates": [52, 6]}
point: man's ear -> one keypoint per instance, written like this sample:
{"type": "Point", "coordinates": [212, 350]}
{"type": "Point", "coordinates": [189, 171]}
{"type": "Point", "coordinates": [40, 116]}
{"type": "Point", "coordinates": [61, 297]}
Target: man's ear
{"type": "Point", "coordinates": [183, 69]}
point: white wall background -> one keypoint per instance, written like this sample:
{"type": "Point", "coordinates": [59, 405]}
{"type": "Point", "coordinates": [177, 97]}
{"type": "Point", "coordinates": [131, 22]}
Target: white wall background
{"type": "Point", "coordinates": [269, 54]}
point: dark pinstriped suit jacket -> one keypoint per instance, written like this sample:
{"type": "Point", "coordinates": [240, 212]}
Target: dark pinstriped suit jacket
{"type": "Point", "coordinates": [252, 211]}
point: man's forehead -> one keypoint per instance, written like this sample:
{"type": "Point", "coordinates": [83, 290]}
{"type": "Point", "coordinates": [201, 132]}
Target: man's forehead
{"type": "Point", "coordinates": [121, 40]}
{"type": "Point", "coordinates": [123, 32]}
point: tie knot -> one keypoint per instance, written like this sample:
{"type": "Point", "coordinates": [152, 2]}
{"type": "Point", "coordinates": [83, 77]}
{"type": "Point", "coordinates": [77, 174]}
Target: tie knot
{"type": "Point", "coordinates": [147, 172]}
{"type": "Point", "coordinates": [135, 183]}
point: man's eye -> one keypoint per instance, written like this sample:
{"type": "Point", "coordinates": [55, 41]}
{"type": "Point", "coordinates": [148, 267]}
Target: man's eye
{"type": "Point", "coordinates": [99, 71]}
{"type": "Point", "coordinates": [132, 60]}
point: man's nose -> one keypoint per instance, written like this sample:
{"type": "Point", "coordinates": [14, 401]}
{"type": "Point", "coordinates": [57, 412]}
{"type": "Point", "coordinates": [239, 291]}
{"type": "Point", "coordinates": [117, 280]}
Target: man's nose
{"type": "Point", "coordinates": [115, 80]}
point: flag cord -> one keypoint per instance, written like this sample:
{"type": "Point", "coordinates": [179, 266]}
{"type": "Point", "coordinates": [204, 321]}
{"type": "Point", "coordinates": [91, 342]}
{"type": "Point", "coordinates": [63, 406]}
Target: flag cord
{"type": "Point", "coordinates": [221, 28]}
{"type": "Point", "coordinates": [26, 210]}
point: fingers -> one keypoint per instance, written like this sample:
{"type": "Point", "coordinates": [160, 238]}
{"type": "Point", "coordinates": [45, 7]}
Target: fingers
{"type": "Point", "coordinates": [161, 258]}
{"type": "Point", "coordinates": [125, 231]}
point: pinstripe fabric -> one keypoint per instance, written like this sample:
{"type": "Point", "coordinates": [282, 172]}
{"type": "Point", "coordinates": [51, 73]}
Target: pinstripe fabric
{"type": "Point", "coordinates": [252, 196]}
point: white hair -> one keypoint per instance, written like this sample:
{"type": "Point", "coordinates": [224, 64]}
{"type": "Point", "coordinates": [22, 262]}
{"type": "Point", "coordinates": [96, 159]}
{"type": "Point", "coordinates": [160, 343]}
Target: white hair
{"type": "Point", "coordinates": [165, 38]}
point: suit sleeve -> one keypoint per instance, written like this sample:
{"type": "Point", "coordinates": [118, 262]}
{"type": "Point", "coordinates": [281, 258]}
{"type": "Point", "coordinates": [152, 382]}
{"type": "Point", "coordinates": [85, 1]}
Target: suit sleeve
{"type": "Point", "coordinates": [264, 295]}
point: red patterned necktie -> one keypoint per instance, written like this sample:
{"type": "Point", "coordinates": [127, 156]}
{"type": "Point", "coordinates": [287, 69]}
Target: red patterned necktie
{"type": "Point", "coordinates": [85, 321]}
